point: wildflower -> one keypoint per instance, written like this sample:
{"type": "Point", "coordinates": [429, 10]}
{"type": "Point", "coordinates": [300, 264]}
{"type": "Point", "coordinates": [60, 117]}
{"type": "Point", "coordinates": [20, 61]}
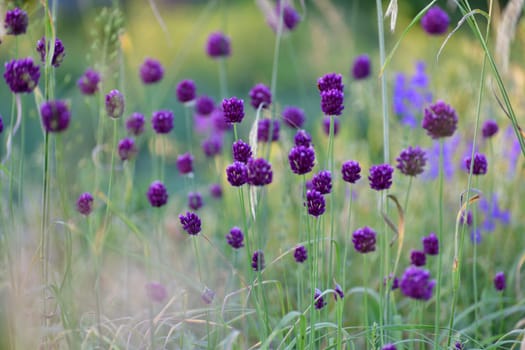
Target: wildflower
{"type": "Point", "coordinates": [207, 295]}
{"type": "Point", "coordinates": [322, 182]}
{"type": "Point", "coordinates": [204, 105]}
{"type": "Point", "coordinates": [479, 164]}
{"type": "Point", "coordinates": [492, 213]}
{"type": "Point", "coordinates": [330, 81]}
{"type": "Point", "coordinates": [364, 240]}
{"type": "Point", "coordinates": [293, 117]}
{"type": "Point", "coordinates": [191, 223]}
{"type": "Point", "coordinates": [418, 258]}
{"type": "Point", "coordinates": [235, 238]}
{"type": "Point", "coordinates": [458, 346]}
{"type": "Point", "coordinates": [435, 21]}
{"type": "Point", "coordinates": [156, 291]}
{"type": "Point", "coordinates": [220, 124]}
{"type": "Point", "coordinates": [85, 203]}
{"type": "Point", "coordinates": [499, 281]}
{"type": "Point", "coordinates": [319, 301]}
{"type": "Point", "coordinates": [380, 177]}
{"type": "Point", "coordinates": [258, 260]}
{"type": "Point", "coordinates": [186, 91]}
{"type": "Point", "coordinates": [449, 148]}
{"type": "Point", "coordinates": [1, 124]}
{"type": "Point", "coordinates": [431, 244]}
{"type": "Point", "coordinates": [263, 130]}
{"type": "Point", "coordinates": [259, 172]}
{"type": "Point", "coordinates": [315, 202]}
{"type": "Point", "coordinates": [416, 283]}
{"type": "Point", "coordinates": [22, 75]}
{"type": "Point", "coordinates": [326, 125]}
{"type": "Point", "coordinates": [302, 138]}
{"type": "Point", "coordinates": [468, 219]}
{"type": "Point", "coordinates": [332, 102]}
{"type": "Point", "coordinates": [290, 16]}
{"type": "Point", "coordinates": [16, 21]}
{"type": "Point", "coordinates": [218, 45]}
{"type": "Point", "coordinates": [394, 279]}
{"type": "Point", "coordinates": [212, 146]}
{"type": "Point", "coordinates": [157, 194]}
{"type": "Point", "coordinates": [58, 54]}
{"type": "Point", "coordinates": [151, 71]}
{"type": "Point", "coordinates": [338, 292]}
{"type": "Point", "coordinates": [351, 171]}
{"type": "Point", "coordinates": [411, 161]}
{"type": "Point", "coordinates": [88, 82]}
{"type": "Point", "coordinates": [302, 159]}
{"type": "Point", "coordinates": [489, 128]}
{"type": "Point", "coordinates": [114, 104]}
{"type": "Point", "coordinates": [260, 94]}
{"type": "Point", "coordinates": [361, 67]}
{"type": "Point", "coordinates": [55, 116]}
{"type": "Point", "coordinates": [300, 254]}
{"type": "Point", "coordinates": [475, 236]}
{"type": "Point", "coordinates": [389, 347]}
{"type": "Point", "coordinates": [185, 163]}
{"type": "Point", "coordinates": [241, 151]}
{"type": "Point", "coordinates": [237, 174]}
{"type": "Point", "coordinates": [440, 120]}
{"type": "Point", "coordinates": [195, 200]}
{"type": "Point", "coordinates": [215, 190]}
{"type": "Point", "coordinates": [126, 148]}
{"type": "Point", "coordinates": [233, 109]}
{"type": "Point", "coordinates": [162, 121]}
{"type": "Point", "coordinates": [135, 124]}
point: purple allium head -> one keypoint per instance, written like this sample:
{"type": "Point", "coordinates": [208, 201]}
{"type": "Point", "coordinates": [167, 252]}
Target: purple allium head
{"type": "Point", "coordinates": [233, 109]}
{"type": "Point", "coordinates": [326, 125]}
{"type": "Point", "coordinates": [479, 166]}
{"type": "Point", "coordinates": [88, 82]}
{"type": "Point", "coordinates": [22, 75]}
{"type": "Point", "coordinates": [351, 171]}
{"type": "Point", "coordinates": [332, 102]}
{"type": "Point", "coordinates": [440, 120]}
{"type": "Point", "coordinates": [338, 292]}
{"type": "Point", "coordinates": [364, 240]}
{"type": "Point", "coordinates": [218, 45]}
{"type": "Point", "coordinates": [293, 117]}
{"type": "Point", "coordinates": [58, 54]}
{"type": "Point", "coordinates": [195, 201]}
{"type": "Point", "coordinates": [191, 223]}
{"type": "Point", "coordinates": [237, 174]}
{"type": "Point", "coordinates": [204, 105]}
{"type": "Point", "coordinates": [85, 203]}
{"type": "Point", "coordinates": [151, 71]}
{"type": "Point", "coordinates": [258, 260]}
{"type": "Point", "coordinates": [411, 161]}
{"type": "Point", "coordinates": [330, 81]}
{"type": "Point", "coordinates": [322, 181]}
{"type": "Point", "coordinates": [431, 244]}
{"type": "Point", "coordinates": [361, 67]}
{"type": "Point", "coordinates": [499, 281]}
{"type": "Point", "coordinates": [263, 130]}
{"type": "Point", "coordinates": [489, 129]}
{"type": "Point", "coordinates": [114, 104]}
{"type": "Point", "coordinates": [389, 347]}
{"type": "Point", "coordinates": [302, 138]}
{"type": "Point", "coordinates": [1, 124]}
{"type": "Point", "coordinates": [381, 176]}
{"type": "Point", "coordinates": [290, 16]}
{"type": "Point", "coordinates": [156, 291]}
{"type": "Point", "coordinates": [241, 151]}
{"type": "Point", "coordinates": [55, 116]}
{"type": "Point", "coordinates": [16, 21]}
{"type": "Point", "coordinates": [126, 148]}
{"type": "Point", "coordinates": [319, 301]}
{"type": "Point", "coordinates": [416, 283]}
{"type": "Point", "coordinates": [458, 346]}
{"type": "Point", "coordinates": [259, 172]}
{"type": "Point", "coordinates": [185, 163]}
{"type": "Point", "coordinates": [300, 254]}
{"type": "Point", "coordinates": [186, 91]}
{"type": "Point", "coordinates": [215, 190]}
{"type": "Point", "coordinates": [235, 238]}
{"type": "Point", "coordinates": [157, 194]}
{"type": "Point", "coordinates": [212, 146]}
{"type": "Point", "coordinates": [435, 21]}
{"type": "Point", "coordinates": [260, 94]}
{"type": "Point", "coordinates": [162, 121]}
{"type": "Point", "coordinates": [302, 159]}
{"type": "Point", "coordinates": [418, 258]}
{"type": "Point", "coordinates": [315, 202]}
{"type": "Point", "coordinates": [135, 124]}
{"type": "Point", "coordinates": [207, 295]}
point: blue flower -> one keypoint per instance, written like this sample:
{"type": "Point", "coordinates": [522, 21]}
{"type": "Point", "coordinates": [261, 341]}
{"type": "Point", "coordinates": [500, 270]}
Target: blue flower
{"type": "Point", "coordinates": [492, 213]}
{"type": "Point", "coordinates": [449, 147]}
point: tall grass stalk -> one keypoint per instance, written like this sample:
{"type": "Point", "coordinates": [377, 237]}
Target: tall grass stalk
{"type": "Point", "coordinates": [384, 102]}
{"type": "Point", "coordinates": [332, 209]}
{"type": "Point", "coordinates": [440, 240]}
{"type": "Point", "coordinates": [44, 240]}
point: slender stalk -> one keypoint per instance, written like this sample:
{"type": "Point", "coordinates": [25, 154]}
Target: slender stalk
{"type": "Point", "coordinates": [187, 117]}
{"type": "Point", "coordinates": [97, 298]}
{"type": "Point", "coordinates": [44, 237]}
{"type": "Point", "coordinates": [384, 103]}
{"type": "Point", "coordinates": [332, 209]}
{"type": "Point", "coordinates": [440, 239]}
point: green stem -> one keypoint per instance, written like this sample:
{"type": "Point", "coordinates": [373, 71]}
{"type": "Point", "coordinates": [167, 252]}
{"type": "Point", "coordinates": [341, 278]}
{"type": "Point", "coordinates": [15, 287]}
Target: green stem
{"type": "Point", "coordinates": [384, 103]}
{"type": "Point", "coordinates": [97, 298]}
{"type": "Point", "coordinates": [44, 236]}
{"type": "Point", "coordinates": [223, 81]}
{"type": "Point", "coordinates": [187, 116]}
{"type": "Point", "coordinates": [332, 209]}
{"type": "Point", "coordinates": [440, 240]}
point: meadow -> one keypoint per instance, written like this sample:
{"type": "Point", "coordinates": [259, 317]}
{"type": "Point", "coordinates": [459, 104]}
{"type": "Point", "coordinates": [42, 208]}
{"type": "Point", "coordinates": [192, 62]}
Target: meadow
{"type": "Point", "coordinates": [262, 175]}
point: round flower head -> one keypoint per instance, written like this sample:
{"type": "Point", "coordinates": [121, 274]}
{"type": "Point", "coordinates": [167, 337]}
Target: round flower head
{"type": "Point", "coordinates": [381, 177]}
{"type": "Point", "coordinates": [499, 281]}
{"type": "Point", "coordinates": [157, 194]}
{"type": "Point", "coordinates": [185, 163]}
{"type": "Point", "coordinates": [290, 17]}
{"type": "Point", "coordinates": [263, 130]}
{"type": "Point", "coordinates": [300, 254]}
{"type": "Point", "coordinates": [439, 120]}
{"type": "Point", "coordinates": [479, 166]}
{"type": "Point", "coordinates": [435, 21]}
{"type": "Point", "coordinates": [302, 138]}
{"type": "Point", "coordinates": [431, 244]}
{"type": "Point", "coordinates": [411, 161]}
{"type": "Point", "coordinates": [338, 292]}
{"type": "Point", "coordinates": [319, 301]}
{"type": "Point", "coordinates": [151, 71]}
{"type": "Point", "coordinates": [55, 116]}
{"type": "Point", "coordinates": [259, 172]}
{"type": "Point", "coordinates": [114, 104]}
{"type": "Point", "coordinates": [302, 159]}
{"type": "Point", "coordinates": [418, 258]}
{"type": "Point", "coordinates": [85, 203]}
{"type": "Point", "coordinates": [135, 124]}
{"type": "Point", "coordinates": [215, 190]}
{"type": "Point", "coordinates": [332, 102]}
{"type": "Point", "coordinates": [191, 223]}
{"type": "Point", "coordinates": [416, 283]}
{"type": "Point", "coordinates": [186, 91]}
{"type": "Point", "coordinates": [351, 171]}
{"type": "Point", "coordinates": [204, 105]}
{"type": "Point", "coordinates": [241, 151]}
{"type": "Point", "coordinates": [258, 260]}
{"type": "Point", "coordinates": [361, 67]}
{"type": "Point", "coordinates": [58, 54]}
{"type": "Point", "coordinates": [212, 146]}
{"type": "Point", "coordinates": [315, 203]}
{"type": "Point", "coordinates": [218, 45]}
{"type": "Point", "coordinates": [156, 291]}
{"type": "Point", "coordinates": [237, 174]}
{"type": "Point", "coordinates": [322, 182]}
{"type": "Point", "coordinates": [162, 121]}
{"type": "Point", "coordinates": [195, 200]}
{"type": "Point", "coordinates": [1, 124]}
{"type": "Point", "coordinates": [293, 117]}
{"type": "Point", "coordinates": [489, 129]}
{"type": "Point", "coordinates": [326, 125]}
{"type": "Point", "coordinates": [233, 109]}
{"type": "Point", "coordinates": [127, 148]}
{"type": "Point", "coordinates": [88, 82]}
{"type": "Point", "coordinates": [260, 95]}
{"type": "Point", "coordinates": [208, 295]}
{"type": "Point", "coordinates": [16, 21]}
{"type": "Point", "coordinates": [235, 238]}
{"type": "Point", "coordinates": [330, 81]}
{"type": "Point", "coordinates": [389, 347]}
{"type": "Point", "coordinates": [364, 240]}
{"type": "Point", "coordinates": [21, 75]}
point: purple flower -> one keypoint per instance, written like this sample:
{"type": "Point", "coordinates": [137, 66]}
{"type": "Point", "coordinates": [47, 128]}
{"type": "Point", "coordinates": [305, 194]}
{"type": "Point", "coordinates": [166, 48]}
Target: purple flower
{"type": "Point", "coordinates": [233, 109]}
{"type": "Point", "coordinates": [215, 190]}
{"type": "Point", "coordinates": [315, 202]}
{"type": "Point", "coordinates": [338, 292]}
{"type": "Point", "coordinates": [157, 194]}
{"type": "Point", "coordinates": [191, 223]}
{"type": "Point", "coordinates": [449, 148]}
{"type": "Point", "coordinates": [361, 67]}
{"type": "Point", "coordinates": [258, 260]}
{"type": "Point", "coordinates": [394, 279]}
{"type": "Point", "coordinates": [1, 124]}
{"type": "Point", "coordinates": [16, 21]}
{"type": "Point", "coordinates": [186, 91]}
{"type": "Point", "coordinates": [302, 138]}
{"type": "Point", "coordinates": [326, 125]}
{"type": "Point", "coordinates": [489, 129]}
{"type": "Point", "coordinates": [260, 94]}
{"type": "Point", "coordinates": [418, 258]}
{"type": "Point", "coordinates": [475, 236]}
{"type": "Point", "coordinates": [85, 203]}
{"type": "Point", "coordinates": [237, 174]}
{"type": "Point", "coordinates": [332, 102]}
{"type": "Point", "coordinates": [195, 201]}
{"type": "Point", "coordinates": [235, 238]}
{"type": "Point", "coordinates": [499, 281]}
{"type": "Point", "coordinates": [185, 163]}
{"type": "Point", "coordinates": [241, 151]}
{"type": "Point", "coordinates": [135, 124]}
{"type": "Point", "coordinates": [435, 21]}
{"type": "Point", "coordinates": [126, 148]}
{"type": "Point", "coordinates": [290, 16]}
{"type": "Point", "coordinates": [204, 105]}
{"type": "Point", "coordinates": [55, 116]}
{"type": "Point", "coordinates": [259, 172]}
{"type": "Point", "coordinates": [351, 171]}
{"type": "Point", "coordinates": [458, 346]}
{"type": "Point", "coordinates": [364, 240]}
{"type": "Point", "coordinates": [300, 254]}
{"type": "Point", "coordinates": [330, 81]}
{"type": "Point", "coordinates": [58, 54]}
{"type": "Point", "coordinates": [212, 146]}
{"type": "Point", "coordinates": [207, 295]}
{"type": "Point", "coordinates": [389, 347]}
{"type": "Point", "coordinates": [156, 291]}
{"type": "Point", "coordinates": [22, 75]}
{"type": "Point", "coordinates": [411, 161]}
{"type": "Point", "coordinates": [440, 120]}
{"type": "Point", "coordinates": [263, 130]}
{"type": "Point", "coordinates": [322, 182]}
{"type": "Point", "coordinates": [468, 219]}
{"type": "Point", "coordinates": [151, 71]}
{"type": "Point", "coordinates": [302, 159]}
{"type": "Point", "coordinates": [218, 45]}
{"type": "Point", "coordinates": [416, 283]}
{"type": "Point", "coordinates": [114, 104]}
{"type": "Point", "coordinates": [381, 176]}
{"type": "Point", "coordinates": [492, 213]}
{"type": "Point", "coordinates": [293, 117]}
{"type": "Point", "coordinates": [479, 166]}
{"type": "Point", "coordinates": [319, 301]}
{"type": "Point", "coordinates": [431, 244]}
{"type": "Point", "coordinates": [88, 82]}
{"type": "Point", "coordinates": [162, 121]}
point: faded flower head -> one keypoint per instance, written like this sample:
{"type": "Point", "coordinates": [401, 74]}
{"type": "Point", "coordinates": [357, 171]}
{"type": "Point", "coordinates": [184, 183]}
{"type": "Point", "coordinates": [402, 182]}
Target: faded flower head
{"type": "Point", "coordinates": [315, 202]}
{"type": "Point", "coordinates": [151, 71]}
{"type": "Point", "coordinates": [489, 129]}
{"type": "Point", "coordinates": [411, 161]}
{"type": "Point", "coordinates": [16, 21]}
{"type": "Point", "coordinates": [332, 102]}
{"type": "Point", "coordinates": [338, 292]}
{"type": "Point", "coordinates": [351, 171]}
{"type": "Point", "coordinates": [85, 203]}
{"type": "Point", "coordinates": [126, 148]}
{"type": "Point", "coordinates": [88, 82]}
{"type": "Point", "coordinates": [381, 177]}
{"type": "Point", "coordinates": [22, 75]}
{"type": "Point", "coordinates": [435, 21]}
{"type": "Point", "coordinates": [300, 254]}
{"type": "Point", "coordinates": [330, 81]}
{"type": "Point", "coordinates": [431, 244]}
{"type": "Point", "coordinates": [260, 94]}
{"type": "Point", "coordinates": [364, 240]}
{"type": "Point", "coordinates": [191, 223]}
{"type": "Point", "coordinates": [185, 163]}
{"type": "Point", "coordinates": [259, 172]}
{"type": "Point", "coordinates": [416, 283]}
{"type": "Point", "coordinates": [135, 124]}
{"type": "Point", "coordinates": [302, 159]}
{"type": "Point", "coordinates": [55, 116]}
{"type": "Point", "coordinates": [241, 151]}
{"type": "Point", "coordinates": [156, 291]}
{"type": "Point", "coordinates": [195, 201]}
{"type": "Point", "coordinates": [361, 67]}
{"type": "Point", "coordinates": [215, 190]}
{"type": "Point", "coordinates": [58, 54]}
{"type": "Point", "coordinates": [499, 281]}
{"type": "Point", "coordinates": [440, 120]}
{"type": "Point", "coordinates": [263, 130]}
{"type": "Point", "coordinates": [293, 117]}
{"type": "Point", "coordinates": [157, 194]}
{"type": "Point", "coordinates": [233, 109]}
{"type": "Point", "coordinates": [162, 121]}
{"type": "Point", "coordinates": [186, 91]}
{"type": "Point", "coordinates": [212, 146]}
{"type": "Point", "coordinates": [258, 260]}
{"type": "Point", "coordinates": [322, 182]}
{"type": "Point", "coordinates": [235, 238]}
{"type": "Point", "coordinates": [480, 164]}
{"type": "Point", "coordinates": [207, 295]}
{"type": "Point", "coordinates": [114, 104]}
{"type": "Point", "coordinates": [218, 45]}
